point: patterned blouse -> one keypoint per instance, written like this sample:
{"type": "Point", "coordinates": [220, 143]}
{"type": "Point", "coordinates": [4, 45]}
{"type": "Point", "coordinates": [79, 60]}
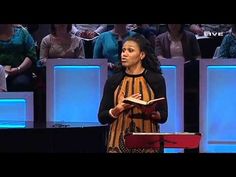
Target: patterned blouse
{"type": "Point", "coordinates": [131, 120]}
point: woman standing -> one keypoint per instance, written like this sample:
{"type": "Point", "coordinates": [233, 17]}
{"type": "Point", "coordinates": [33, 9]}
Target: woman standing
{"type": "Point", "coordinates": [140, 78]}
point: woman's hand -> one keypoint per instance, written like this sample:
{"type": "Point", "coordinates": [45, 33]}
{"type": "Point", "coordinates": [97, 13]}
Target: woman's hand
{"type": "Point", "coordinates": [155, 115]}
{"type": "Point", "coordinates": [12, 71]}
{"type": "Point", "coordinates": [120, 107]}
{"type": "Point", "coordinates": [128, 106]}
{"type": "Point", "coordinates": [43, 61]}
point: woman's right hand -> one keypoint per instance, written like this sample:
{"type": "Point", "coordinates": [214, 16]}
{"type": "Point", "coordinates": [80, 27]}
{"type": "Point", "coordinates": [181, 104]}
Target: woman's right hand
{"type": "Point", "coordinates": [128, 106]}
{"type": "Point", "coordinates": [121, 106]}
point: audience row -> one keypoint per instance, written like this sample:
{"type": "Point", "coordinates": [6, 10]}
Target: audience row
{"type": "Point", "coordinates": [21, 51]}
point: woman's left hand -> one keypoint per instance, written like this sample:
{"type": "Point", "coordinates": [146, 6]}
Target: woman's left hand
{"type": "Point", "coordinates": [149, 111]}
{"type": "Point", "coordinates": [155, 115]}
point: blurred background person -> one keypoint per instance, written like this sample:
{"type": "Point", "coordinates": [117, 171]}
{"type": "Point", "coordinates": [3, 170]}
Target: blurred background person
{"type": "Point", "coordinates": [109, 45]}
{"type": "Point", "coordinates": [148, 32]}
{"type": "Point", "coordinates": [18, 56]}
{"type": "Point", "coordinates": [89, 33]}
{"type": "Point", "coordinates": [228, 46]}
{"type": "Point", "coordinates": [177, 43]}
{"type": "Point", "coordinates": [61, 43]}
{"type": "Point", "coordinates": [199, 29]}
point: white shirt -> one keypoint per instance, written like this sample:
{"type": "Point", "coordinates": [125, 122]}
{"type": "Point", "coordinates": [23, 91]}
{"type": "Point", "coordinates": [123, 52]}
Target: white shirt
{"type": "Point", "coordinates": [3, 86]}
{"type": "Point", "coordinates": [97, 28]}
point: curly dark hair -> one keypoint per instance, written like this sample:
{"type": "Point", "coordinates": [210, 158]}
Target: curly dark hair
{"type": "Point", "coordinates": [150, 62]}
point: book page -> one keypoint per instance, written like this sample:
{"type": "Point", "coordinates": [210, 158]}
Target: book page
{"type": "Point", "coordinates": [155, 100]}
{"type": "Point", "coordinates": [131, 100]}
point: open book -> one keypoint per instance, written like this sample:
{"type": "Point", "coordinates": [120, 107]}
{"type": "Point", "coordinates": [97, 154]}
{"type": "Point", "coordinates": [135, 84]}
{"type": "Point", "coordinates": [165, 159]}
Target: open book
{"type": "Point", "coordinates": [135, 101]}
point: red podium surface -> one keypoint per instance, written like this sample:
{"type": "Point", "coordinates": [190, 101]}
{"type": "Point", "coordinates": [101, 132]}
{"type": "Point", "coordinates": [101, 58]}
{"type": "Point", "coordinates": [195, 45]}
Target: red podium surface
{"type": "Point", "coordinates": [162, 140]}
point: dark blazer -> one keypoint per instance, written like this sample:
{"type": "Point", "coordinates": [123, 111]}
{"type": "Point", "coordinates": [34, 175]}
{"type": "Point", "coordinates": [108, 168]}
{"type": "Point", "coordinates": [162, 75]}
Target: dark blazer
{"type": "Point", "coordinates": [189, 42]}
{"type": "Point", "coordinates": [156, 82]}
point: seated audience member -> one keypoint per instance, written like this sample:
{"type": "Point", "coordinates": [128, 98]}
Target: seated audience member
{"type": "Point", "coordinates": [228, 45]}
{"type": "Point", "coordinates": [109, 45]}
{"type": "Point", "coordinates": [18, 56]}
{"type": "Point", "coordinates": [147, 32]}
{"type": "Point", "coordinates": [200, 28]}
{"type": "Point", "coordinates": [194, 28]}
{"type": "Point", "coordinates": [3, 86]}
{"type": "Point", "coordinates": [61, 44]}
{"type": "Point", "coordinates": [209, 37]}
{"type": "Point", "coordinates": [89, 33]}
{"type": "Point", "coordinates": [177, 43]}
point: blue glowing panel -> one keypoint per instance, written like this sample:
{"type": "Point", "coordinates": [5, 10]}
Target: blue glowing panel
{"type": "Point", "coordinates": [173, 74]}
{"type": "Point", "coordinates": [76, 91]}
{"type": "Point", "coordinates": [13, 124]}
{"type": "Point", "coordinates": [84, 83]}
{"type": "Point", "coordinates": [217, 106]}
{"type": "Point", "coordinates": [16, 109]}
{"type": "Point", "coordinates": [169, 72]}
{"type": "Point", "coordinates": [12, 109]}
